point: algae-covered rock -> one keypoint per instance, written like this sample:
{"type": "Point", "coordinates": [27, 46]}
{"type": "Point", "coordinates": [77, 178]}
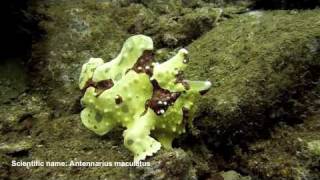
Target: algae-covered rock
{"type": "Point", "coordinates": [314, 147]}
{"type": "Point", "coordinates": [175, 164]}
{"type": "Point", "coordinates": [178, 29]}
{"type": "Point", "coordinates": [287, 154]}
{"type": "Point", "coordinates": [233, 175]}
{"type": "Point", "coordinates": [258, 64]}
{"type": "Point", "coordinates": [18, 115]}
{"type": "Point", "coordinates": [73, 33]}
{"type": "Point", "coordinates": [15, 147]}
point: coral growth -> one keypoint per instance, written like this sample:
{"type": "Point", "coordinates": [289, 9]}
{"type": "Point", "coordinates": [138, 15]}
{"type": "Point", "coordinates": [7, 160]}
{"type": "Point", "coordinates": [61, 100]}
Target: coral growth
{"type": "Point", "coordinates": [133, 92]}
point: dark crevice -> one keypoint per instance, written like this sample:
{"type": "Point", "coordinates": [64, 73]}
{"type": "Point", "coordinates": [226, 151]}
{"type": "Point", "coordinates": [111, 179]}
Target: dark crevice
{"type": "Point", "coordinates": [19, 31]}
{"type": "Point", "coordinates": [23, 153]}
{"type": "Point", "coordinates": [286, 4]}
{"type": "Point", "coordinates": [19, 28]}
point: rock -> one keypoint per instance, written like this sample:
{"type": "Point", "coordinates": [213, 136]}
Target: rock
{"type": "Point", "coordinates": [314, 147]}
{"type": "Point", "coordinates": [18, 116]}
{"type": "Point", "coordinates": [259, 64]}
{"type": "Point", "coordinates": [175, 164]}
{"type": "Point", "coordinates": [9, 148]}
{"type": "Point", "coordinates": [233, 175]}
{"type": "Point", "coordinates": [290, 153]}
{"type": "Point", "coordinates": [74, 33]}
